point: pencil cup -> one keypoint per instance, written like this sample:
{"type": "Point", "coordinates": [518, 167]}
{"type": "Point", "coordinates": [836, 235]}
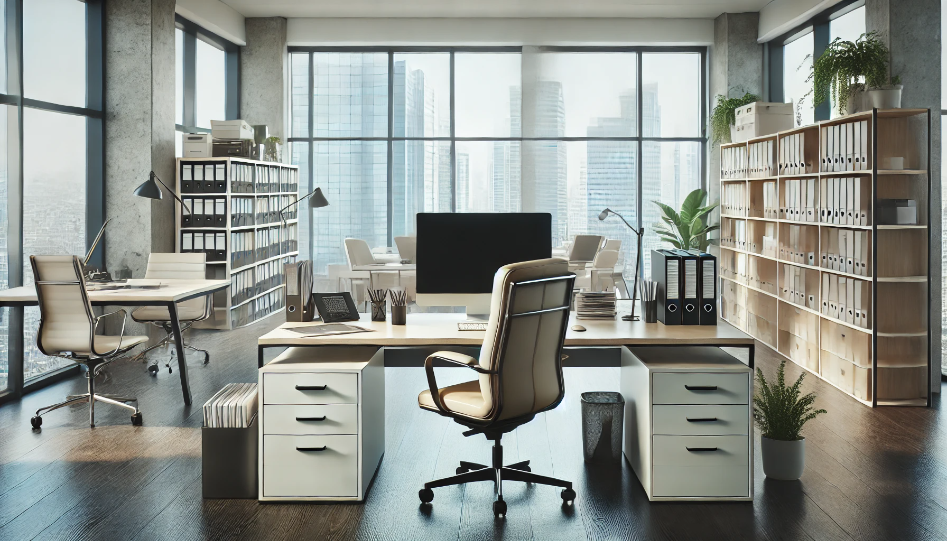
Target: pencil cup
{"type": "Point", "coordinates": [399, 314]}
{"type": "Point", "coordinates": [651, 311]}
{"type": "Point", "coordinates": [378, 311]}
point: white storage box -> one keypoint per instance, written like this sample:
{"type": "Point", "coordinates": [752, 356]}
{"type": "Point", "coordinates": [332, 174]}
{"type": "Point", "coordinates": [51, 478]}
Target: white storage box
{"type": "Point", "coordinates": [197, 145]}
{"type": "Point", "coordinates": [760, 118]}
{"type": "Point", "coordinates": [231, 129]}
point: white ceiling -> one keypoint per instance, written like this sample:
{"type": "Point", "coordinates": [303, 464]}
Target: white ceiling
{"type": "Point", "coordinates": [494, 8]}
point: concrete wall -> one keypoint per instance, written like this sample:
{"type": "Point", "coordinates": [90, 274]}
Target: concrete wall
{"type": "Point", "coordinates": [264, 71]}
{"type": "Point", "coordinates": [215, 16]}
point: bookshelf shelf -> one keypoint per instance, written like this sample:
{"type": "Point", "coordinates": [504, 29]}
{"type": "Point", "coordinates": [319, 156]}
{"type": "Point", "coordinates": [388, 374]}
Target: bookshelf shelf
{"type": "Point", "coordinates": [887, 361]}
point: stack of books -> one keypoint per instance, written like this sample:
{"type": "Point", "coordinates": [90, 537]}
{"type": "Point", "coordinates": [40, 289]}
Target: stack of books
{"type": "Point", "coordinates": [595, 305]}
{"type": "Point", "coordinates": [234, 406]}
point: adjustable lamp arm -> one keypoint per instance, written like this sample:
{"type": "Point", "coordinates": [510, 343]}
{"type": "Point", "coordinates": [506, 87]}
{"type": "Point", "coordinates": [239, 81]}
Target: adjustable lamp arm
{"type": "Point", "coordinates": [154, 176]}
{"type": "Point", "coordinates": [605, 214]}
{"type": "Point", "coordinates": [634, 293]}
{"type": "Point", "coordinates": [318, 201]}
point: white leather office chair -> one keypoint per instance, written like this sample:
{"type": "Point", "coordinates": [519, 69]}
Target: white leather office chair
{"type": "Point", "coordinates": [188, 266]}
{"type": "Point", "coordinates": [612, 244]}
{"type": "Point", "coordinates": [602, 272]}
{"type": "Point", "coordinates": [359, 253]}
{"type": "Point", "coordinates": [520, 372]}
{"type": "Point", "coordinates": [584, 248]}
{"type": "Point", "coordinates": [67, 330]}
{"type": "Point", "coordinates": [407, 248]}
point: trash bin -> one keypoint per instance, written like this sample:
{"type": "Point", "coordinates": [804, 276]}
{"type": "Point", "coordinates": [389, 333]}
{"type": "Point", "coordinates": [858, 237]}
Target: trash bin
{"type": "Point", "coordinates": [602, 415]}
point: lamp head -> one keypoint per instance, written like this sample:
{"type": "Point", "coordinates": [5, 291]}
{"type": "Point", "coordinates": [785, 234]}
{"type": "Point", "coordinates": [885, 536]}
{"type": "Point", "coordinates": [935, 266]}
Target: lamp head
{"type": "Point", "coordinates": [604, 214]}
{"type": "Point", "coordinates": [149, 189]}
{"type": "Point", "coordinates": [318, 200]}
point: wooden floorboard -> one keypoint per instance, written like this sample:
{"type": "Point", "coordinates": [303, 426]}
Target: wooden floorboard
{"type": "Point", "coordinates": [871, 474]}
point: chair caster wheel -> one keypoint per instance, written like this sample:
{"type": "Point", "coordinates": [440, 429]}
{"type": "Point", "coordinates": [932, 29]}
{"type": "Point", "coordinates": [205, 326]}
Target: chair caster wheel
{"type": "Point", "coordinates": [153, 370]}
{"type": "Point", "coordinates": [461, 469]}
{"type": "Point", "coordinates": [170, 371]}
{"type": "Point", "coordinates": [37, 422]}
{"type": "Point", "coordinates": [568, 495]}
{"type": "Point", "coordinates": [426, 495]}
{"type": "Point", "coordinates": [499, 509]}
{"type": "Point", "coordinates": [136, 419]}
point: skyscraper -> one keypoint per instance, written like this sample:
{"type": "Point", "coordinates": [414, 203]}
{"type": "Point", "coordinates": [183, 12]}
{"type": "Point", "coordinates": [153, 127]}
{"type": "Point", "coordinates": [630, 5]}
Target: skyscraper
{"type": "Point", "coordinates": [463, 181]}
{"type": "Point", "coordinates": [544, 162]}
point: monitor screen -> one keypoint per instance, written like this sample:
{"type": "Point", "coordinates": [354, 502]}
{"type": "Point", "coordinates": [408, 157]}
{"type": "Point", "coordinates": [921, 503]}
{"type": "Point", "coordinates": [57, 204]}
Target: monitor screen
{"type": "Point", "coordinates": [461, 252]}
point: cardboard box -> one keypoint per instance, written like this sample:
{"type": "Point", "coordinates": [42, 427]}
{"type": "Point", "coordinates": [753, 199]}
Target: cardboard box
{"type": "Point", "coordinates": [760, 118]}
{"type": "Point", "coordinates": [231, 129]}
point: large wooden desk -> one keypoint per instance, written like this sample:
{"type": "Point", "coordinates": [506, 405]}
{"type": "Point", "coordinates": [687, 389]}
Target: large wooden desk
{"type": "Point", "coordinates": [430, 329]}
{"type": "Point", "coordinates": [167, 295]}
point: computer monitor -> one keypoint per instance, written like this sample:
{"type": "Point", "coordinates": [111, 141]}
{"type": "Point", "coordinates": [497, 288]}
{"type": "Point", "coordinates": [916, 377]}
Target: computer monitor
{"type": "Point", "coordinates": [458, 254]}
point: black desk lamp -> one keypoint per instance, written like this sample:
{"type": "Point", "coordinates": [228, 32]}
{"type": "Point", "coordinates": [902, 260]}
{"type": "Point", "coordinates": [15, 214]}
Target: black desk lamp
{"type": "Point", "coordinates": [151, 190]}
{"type": "Point", "coordinates": [318, 200]}
{"type": "Point", "coordinates": [634, 294]}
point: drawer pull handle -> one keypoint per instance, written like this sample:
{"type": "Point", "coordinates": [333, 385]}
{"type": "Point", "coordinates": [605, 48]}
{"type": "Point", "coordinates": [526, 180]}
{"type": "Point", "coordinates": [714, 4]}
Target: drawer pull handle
{"type": "Point", "coordinates": [701, 387]}
{"type": "Point", "coordinates": [323, 418]}
{"type": "Point", "coordinates": [695, 449]}
{"type": "Point", "coordinates": [307, 449]}
{"type": "Point", "coordinates": [310, 387]}
{"type": "Point", "coordinates": [697, 420]}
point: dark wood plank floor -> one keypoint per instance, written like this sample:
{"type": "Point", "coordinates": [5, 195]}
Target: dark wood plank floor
{"type": "Point", "coordinates": [871, 474]}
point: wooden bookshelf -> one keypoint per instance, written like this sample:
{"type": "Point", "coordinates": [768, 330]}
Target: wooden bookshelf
{"type": "Point", "coordinates": [779, 298]}
{"type": "Point", "coordinates": [256, 244]}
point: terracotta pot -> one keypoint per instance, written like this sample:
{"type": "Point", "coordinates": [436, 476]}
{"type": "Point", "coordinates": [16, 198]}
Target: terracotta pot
{"type": "Point", "coordinates": [783, 460]}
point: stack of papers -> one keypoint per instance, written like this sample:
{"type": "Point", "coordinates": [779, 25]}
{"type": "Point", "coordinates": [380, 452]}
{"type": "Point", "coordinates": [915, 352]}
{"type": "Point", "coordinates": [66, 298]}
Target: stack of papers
{"type": "Point", "coordinates": [234, 406]}
{"type": "Point", "coordinates": [595, 305]}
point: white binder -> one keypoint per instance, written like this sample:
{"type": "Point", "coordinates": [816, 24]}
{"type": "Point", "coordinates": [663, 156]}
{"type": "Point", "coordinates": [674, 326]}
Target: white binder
{"type": "Point", "coordinates": [811, 203]}
{"type": "Point", "coordinates": [823, 146]}
{"type": "Point", "coordinates": [865, 143]}
{"type": "Point", "coordinates": [866, 264]}
{"type": "Point", "coordinates": [825, 293]}
{"type": "Point", "coordinates": [842, 295]}
{"type": "Point", "coordinates": [850, 300]}
{"type": "Point", "coordinates": [859, 266]}
{"type": "Point", "coordinates": [833, 295]}
{"type": "Point", "coordinates": [850, 201]}
{"type": "Point", "coordinates": [857, 306]}
{"type": "Point", "coordinates": [856, 147]}
{"type": "Point", "coordinates": [187, 242]}
{"type": "Point", "coordinates": [839, 201]}
{"type": "Point", "coordinates": [849, 146]}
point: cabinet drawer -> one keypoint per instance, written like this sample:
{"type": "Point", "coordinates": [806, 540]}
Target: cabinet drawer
{"type": "Point", "coordinates": [700, 472]}
{"type": "Point", "coordinates": [310, 419]}
{"type": "Point", "coordinates": [700, 388]}
{"type": "Point", "coordinates": [310, 466]}
{"type": "Point", "coordinates": [716, 420]}
{"type": "Point", "coordinates": [310, 388]}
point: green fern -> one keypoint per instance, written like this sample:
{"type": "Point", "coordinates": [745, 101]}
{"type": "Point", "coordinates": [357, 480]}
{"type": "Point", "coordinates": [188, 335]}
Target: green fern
{"type": "Point", "coordinates": [839, 69]}
{"type": "Point", "coordinates": [724, 115]}
{"type": "Point", "coordinates": [685, 229]}
{"type": "Point", "coordinates": [780, 411]}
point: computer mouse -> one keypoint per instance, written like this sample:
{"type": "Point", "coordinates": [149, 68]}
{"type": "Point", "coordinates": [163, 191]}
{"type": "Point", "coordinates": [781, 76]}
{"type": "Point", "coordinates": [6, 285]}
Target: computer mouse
{"type": "Point", "coordinates": [578, 328]}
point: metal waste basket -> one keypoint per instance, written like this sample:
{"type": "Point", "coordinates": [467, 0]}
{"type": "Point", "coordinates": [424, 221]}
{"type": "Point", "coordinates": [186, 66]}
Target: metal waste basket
{"type": "Point", "coordinates": [602, 415]}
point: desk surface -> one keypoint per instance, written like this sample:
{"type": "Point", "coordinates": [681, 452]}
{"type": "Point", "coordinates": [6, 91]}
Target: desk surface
{"type": "Point", "coordinates": [432, 329]}
{"type": "Point", "coordinates": [175, 291]}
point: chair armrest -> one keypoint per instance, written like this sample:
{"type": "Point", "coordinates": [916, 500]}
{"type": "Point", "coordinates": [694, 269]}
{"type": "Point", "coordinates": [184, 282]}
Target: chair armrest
{"type": "Point", "coordinates": [453, 358]}
{"type": "Point", "coordinates": [120, 335]}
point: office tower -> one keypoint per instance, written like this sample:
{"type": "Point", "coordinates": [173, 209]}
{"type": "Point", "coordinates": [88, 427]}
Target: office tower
{"type": "Point", "coordinates": [578, 204]}
{"type": "Point", "coordinates": [463, 181]}
{"type": "Point", "coordinates": [409, 158]}
{"type": "Point", "coordinates": [544, 162]}
{"type": "Point", "coordinates": [443, 161]}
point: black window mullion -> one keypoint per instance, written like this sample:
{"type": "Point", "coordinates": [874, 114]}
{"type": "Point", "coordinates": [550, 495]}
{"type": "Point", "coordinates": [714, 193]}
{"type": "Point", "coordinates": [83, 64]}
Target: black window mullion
{"type": "Point", "coordinates": [312, 151]}
{"type": "Point", "coordinates": [820, 42]}
{"type": "Point", "coordinates": [638, 165]}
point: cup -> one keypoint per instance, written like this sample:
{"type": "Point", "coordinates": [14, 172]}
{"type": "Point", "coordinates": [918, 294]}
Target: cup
{"type": "Point", "coordinates": [378, 311]}
{"type": "Point", "coordinates": [651, 311]}
{"type": "Point", "coordinates": [399, 314]}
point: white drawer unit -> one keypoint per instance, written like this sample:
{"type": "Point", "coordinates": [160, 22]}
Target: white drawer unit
{"type": "Point", "coordinates": [688, 426]}
{"type": "Point", "coordinates": [322, 429]}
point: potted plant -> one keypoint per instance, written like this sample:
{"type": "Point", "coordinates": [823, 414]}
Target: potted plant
{"type": "Point", "coordinates": [846, 69]}
{"type": "Point", "coordinates": [887, 96]}
{"type": "Point", "coordinates": [723, 116]}
{"type": "Point", "coordinates": [685, 230]}
{"type": "Point", "coordinates": [781, 412]}
{"type": "Point", "coordinates": [271, 146]}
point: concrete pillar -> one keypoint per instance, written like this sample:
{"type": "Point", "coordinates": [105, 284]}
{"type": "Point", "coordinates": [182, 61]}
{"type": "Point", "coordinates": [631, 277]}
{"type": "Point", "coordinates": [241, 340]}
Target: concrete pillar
{"type": "Point", "coordinates": [139, 130]}
{"type": "Point", "coordinates": [912, 29]}
{"type": "Point", "coordinates": [264, 75]}
{"type": "Point", "coordinates": [736, 62]}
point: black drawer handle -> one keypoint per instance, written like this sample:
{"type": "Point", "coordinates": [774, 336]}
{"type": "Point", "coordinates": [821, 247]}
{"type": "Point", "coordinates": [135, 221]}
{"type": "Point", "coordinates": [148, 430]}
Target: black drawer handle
{"type": "Point", "coordinates": [323, 418]}
{"type": "Point", "coordinates": [307, 449]}
{"type": "Point", "coordinates": [310, 387]}
{"type": "Point", "coordinates": [689, 420]}
{"type": "Point", "coordinates": [694, 387]}
{"type": "Point", "coordinates": [695, 449]}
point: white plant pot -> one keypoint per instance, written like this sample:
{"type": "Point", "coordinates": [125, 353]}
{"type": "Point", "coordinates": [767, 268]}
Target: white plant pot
{"type": "Point", "coordinates": [857, 102]}
{"type": "Point", "coordinates": [888, 97]}
{"type": "Point", "coordinates": [783, 460]}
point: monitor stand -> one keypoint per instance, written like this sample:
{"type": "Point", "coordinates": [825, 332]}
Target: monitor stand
{"type": "Point", "coordinates": [477, 316]}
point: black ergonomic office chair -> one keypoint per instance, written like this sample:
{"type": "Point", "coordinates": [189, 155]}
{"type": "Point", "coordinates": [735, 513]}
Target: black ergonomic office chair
{"type": "Point", "coordinates": [520, 372]}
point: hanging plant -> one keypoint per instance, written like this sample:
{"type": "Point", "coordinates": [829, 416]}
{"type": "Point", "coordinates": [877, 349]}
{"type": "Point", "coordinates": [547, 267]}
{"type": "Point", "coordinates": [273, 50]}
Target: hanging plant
{"type": "Point", "coordinates": [848, 67]}
{"type": "Point", "coordinates": [724, 115]}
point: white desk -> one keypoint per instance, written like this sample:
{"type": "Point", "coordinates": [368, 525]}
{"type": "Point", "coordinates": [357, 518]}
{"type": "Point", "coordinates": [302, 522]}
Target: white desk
{"type": "Point", "coordinates": [167, 295]}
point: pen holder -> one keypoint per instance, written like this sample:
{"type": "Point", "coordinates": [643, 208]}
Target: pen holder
{"type": "Point", "coordinates": [651, 311]}
{"type": "Point", "coordinates": [399, 314]}
{"type": "Point", "coordinates": [378, 311]}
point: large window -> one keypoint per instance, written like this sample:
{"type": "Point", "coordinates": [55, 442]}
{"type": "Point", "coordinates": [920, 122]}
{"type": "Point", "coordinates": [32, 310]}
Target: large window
{"type": "Point", "coordinates": [51, 158]}
{"type": "Point", "coordinates": [388, 133]}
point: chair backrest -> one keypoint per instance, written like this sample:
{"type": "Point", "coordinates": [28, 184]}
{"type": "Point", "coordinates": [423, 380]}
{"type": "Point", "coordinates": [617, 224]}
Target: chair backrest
{"type": "Point", "coordinates": [358, 252]}
{"type": "Point", "coordinates": [584, 248]}
{"type": "Point", "coordinates": [407, 247]}
{"type": "Point", "coordinates": [66, 321]}
{"type": "Point", "coordinates": [529, 312]}
{"type": "Point", "coordinates": [605, 259]}
{"type": "Point", "coordinates": [612, 244]}
{"type": "Point", "coordinates": [187, 266]}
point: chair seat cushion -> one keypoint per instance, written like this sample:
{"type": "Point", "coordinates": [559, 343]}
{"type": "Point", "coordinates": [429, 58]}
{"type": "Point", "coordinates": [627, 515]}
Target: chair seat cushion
{"type": "Point", "coordinates": [106, 343]}
{"type": "Point", "coordinates": [463, 398]}
{"type": "Point", "coordinates": [160, 313]}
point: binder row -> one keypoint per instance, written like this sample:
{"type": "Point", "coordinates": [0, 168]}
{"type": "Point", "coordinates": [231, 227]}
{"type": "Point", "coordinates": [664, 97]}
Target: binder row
{"type": "Point", "coordinates": [756, 278]}
{"type": "Point", "coordinates": [242, 252]}
{"type": "Point", "coordinates": [794, 288]}
{"type": "Point", "coordinates": [241, 177]}
{"type": "Point", "coordinates": [845, 147]}
{"type": "Point", "coordinates": [267, 208]}
{"type": "Point", "coordinates": [733, 162]}
{"type": "Point", "coordinates": [800, 200]}
{"type": "Point", "coordinates": [792, 155]}
{"type": "Point", "coordinates": [845, 200]}
{"type": "Point", "coordinates": [204, 212]}
{"type": "Point", "coordinates": [733, 199]}
{"type": "Point", "coordinates": [687, 282]}
{"type": "Point", "coordinates": [731, 305]}
{"type": "Point", "coordinates": [847, 251]}
{"type": "Point", "coordinates": [733, 234]}
{"type": "Point", "coordinates": [799, 247]}
{"type": "Point", "coordinates": [770, 246]}
{"type": "Point", "coordinates": [241, 211]}
{"type": "Point", "coordinates": [289, 242]}
{"type": "Point", "coordinates": [267, 242]}
{"type": "Point", "coordinates": [251, 282]}
{"type": "Point", "coordinates": [770, 200]}
{"type": "Point", "coordinates": [203, 177]}
{"type": "Point", "coordinates": [213, 244]}
{"type": "Point", "coordinates": [761, 159]}
{"type": "Point", "coordinates": [273, 179]}
{"type": "Point", "coordinates": [846, 299]}
{"type": "Point", "coordinates": [257, 308]}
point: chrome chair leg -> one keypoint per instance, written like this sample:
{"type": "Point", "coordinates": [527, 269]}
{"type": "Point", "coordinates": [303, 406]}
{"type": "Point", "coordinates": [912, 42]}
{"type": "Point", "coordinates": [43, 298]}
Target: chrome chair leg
{"type": "Point", "coordinates": [72, 400]}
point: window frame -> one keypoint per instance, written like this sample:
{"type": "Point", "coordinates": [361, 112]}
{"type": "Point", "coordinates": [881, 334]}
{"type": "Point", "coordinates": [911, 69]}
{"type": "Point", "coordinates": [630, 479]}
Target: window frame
{"type": "Point", "coordinates": [192, 33]}
{"type": "Point", "coordinates": [390, 140]}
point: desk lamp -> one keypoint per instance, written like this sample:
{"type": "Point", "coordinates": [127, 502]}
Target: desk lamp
{"type": "Point", "coordinates": [151, 190]}
{"type": "Point", "coordinates": [318, 200]}
{"type": "Point", "coordinates": [634, 286]}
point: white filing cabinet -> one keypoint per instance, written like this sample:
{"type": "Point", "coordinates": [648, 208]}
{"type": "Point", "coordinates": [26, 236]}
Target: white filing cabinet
{"type": "Point", "coordinates": [688, 429]}
{"type": "Point", "coordinates": [322, 427]}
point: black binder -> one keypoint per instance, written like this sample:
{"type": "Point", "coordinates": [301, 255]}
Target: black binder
{"type": "Point", "coordinates": [707, 287]}
{"type": "Point", "coordinates": [666, 272]}
{"type": "Point", "coordinates": [690, 315]}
